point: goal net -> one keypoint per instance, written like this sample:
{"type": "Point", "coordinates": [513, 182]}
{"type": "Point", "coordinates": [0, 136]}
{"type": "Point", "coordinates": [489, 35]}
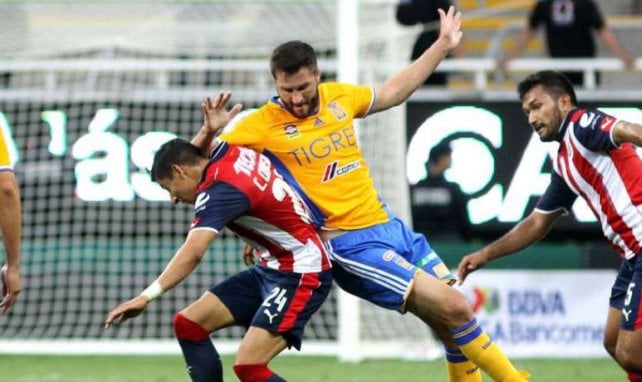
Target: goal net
{"type": "Point", "coordinates": [91, 89]}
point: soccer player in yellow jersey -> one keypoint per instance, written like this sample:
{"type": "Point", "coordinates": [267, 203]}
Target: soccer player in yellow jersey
{"type": "Point", "coordinates": [10, 226]}
{"type": "Point", "coordinates": [307, 131]}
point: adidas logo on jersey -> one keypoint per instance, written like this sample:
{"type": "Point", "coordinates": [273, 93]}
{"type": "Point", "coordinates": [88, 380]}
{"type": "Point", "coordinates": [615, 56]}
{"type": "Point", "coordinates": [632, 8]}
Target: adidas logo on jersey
{"type": "Point", "coordinates": [333, 170]}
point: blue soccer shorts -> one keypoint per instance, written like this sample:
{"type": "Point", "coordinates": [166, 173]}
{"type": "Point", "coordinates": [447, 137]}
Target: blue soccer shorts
{"type": "Point", "coordinates": [626, 293]}
{"type": "Point", "coordinates": [279, 302]}
{"type": "Point", "coordinates": [379, 263]}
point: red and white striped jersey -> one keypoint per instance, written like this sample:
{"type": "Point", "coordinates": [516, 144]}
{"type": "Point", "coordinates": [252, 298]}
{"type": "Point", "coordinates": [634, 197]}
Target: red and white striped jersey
{"type": "Point", "coordinates": [609, 177]}
{"type": "Point", "coordinates": [242, 190]}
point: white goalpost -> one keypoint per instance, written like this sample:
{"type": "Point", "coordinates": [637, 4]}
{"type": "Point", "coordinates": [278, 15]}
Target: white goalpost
{"type": "Point", "coordinates": [90, 90]}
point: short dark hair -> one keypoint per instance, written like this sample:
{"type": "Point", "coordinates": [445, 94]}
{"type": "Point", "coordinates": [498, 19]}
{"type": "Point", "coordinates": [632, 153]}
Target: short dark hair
{"type": "Point", "coordinates": [175, 151]}
{"type": "Point", "coordinates": [291, 56]}
{"type": "Point", "coordinates": [555, 84]}
{"type": "Point", "coordinates": [439, 150]}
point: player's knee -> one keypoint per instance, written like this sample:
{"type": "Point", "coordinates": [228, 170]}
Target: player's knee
{"type": "Point", "coordinates": [186, 329]}
{"type": "Point", "coordinates": [460, 312]}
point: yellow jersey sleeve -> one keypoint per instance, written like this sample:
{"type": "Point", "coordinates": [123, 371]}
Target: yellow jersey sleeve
{"type": "Point", "coordinates": [5, 157]}
{"type": "Point", "coordinates": [248, 131]}
{"type": "Point", "coordinates": [362, 98]}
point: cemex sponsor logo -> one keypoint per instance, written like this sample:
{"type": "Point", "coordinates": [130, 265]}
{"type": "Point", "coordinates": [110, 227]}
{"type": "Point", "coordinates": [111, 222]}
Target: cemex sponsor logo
{"type": "Point", "coordinates": [333, 169]}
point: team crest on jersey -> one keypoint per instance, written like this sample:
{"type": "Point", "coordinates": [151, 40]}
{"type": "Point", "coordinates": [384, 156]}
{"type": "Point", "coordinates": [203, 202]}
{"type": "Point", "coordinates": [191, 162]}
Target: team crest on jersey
{"type": "Point", "coordinates": [333, 170]}
{"type": "Point", "coordinates": [388, 255]}
{"type": "Point", "coordinates": [291, 130]}
{"type": "Point", "coordinates": [337, 110]}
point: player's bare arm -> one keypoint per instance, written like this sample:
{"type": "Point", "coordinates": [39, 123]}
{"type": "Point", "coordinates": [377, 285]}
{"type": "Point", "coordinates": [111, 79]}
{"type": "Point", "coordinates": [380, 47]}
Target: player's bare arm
{"type": "Point", "coordinates": [216, 116]}
{"type": "Point", "coordinates": [398, 88]}
{"type": "Point", "coordinates": [624, 131]}
{"type": "Point", "coordinates": [11, 228]}
{"type": "Point", "coordinates": [180, 266]}
{"type": "Point", "coordinates": [527, 232]}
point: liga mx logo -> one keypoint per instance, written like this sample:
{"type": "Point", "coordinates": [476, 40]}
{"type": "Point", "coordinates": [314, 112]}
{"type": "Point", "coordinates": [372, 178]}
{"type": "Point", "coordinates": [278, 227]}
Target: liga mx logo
{"type": "Point", "coordinates": [483, 298]}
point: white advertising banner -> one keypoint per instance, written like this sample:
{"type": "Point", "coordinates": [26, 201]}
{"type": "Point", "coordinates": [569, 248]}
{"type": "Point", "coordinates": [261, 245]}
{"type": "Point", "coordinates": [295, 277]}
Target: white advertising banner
{"type": "Point", "coordinates": [542, 313]}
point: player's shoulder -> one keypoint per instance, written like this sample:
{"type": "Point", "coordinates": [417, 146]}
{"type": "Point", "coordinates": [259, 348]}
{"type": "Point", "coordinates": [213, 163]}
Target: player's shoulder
{"type": "Point", "coordinates": [332, 87]}
{"type": "Point", "coordinates": [586, 117]}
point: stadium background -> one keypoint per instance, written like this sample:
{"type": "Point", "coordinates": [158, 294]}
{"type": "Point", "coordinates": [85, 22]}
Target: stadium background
{"type": "Point", "coordinates": [89, 89]}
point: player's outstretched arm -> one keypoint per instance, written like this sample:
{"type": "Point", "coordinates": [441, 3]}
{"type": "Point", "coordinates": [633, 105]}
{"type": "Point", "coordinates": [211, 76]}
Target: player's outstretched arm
{"type": "Point", "coordinates": [525, 233]}
{"type": "Point", "coordinates": [180, 266]}
{"type": "Point", "coordinates": [11, 228]}
{"type": "Point", "coordinates": [398, 88]}
{"type": "Point", "coordinates": [216, 116]}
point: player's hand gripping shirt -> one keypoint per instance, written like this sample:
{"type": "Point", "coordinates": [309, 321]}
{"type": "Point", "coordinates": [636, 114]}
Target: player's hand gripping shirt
{"type": "Point", "coordinates": [241, 189]}
{"type": "Point", "coordinates": [5, 159]}
{"type": "Point", "coordinates": [607, 176]}
{"type": "Point", "coordinates": [319, 154]}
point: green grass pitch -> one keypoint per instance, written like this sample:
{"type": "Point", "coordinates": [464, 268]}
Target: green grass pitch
{"type": "Point", "coordinates": [22, 368]}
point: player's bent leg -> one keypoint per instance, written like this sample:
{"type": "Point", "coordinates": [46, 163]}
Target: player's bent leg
{"type": "Point", "coordinates": [431, 299]}
{"type": "Point", "coordinates": [209, 312]}
{"type": "Point", "coordinates": [258, 347]}
{"type": "Point", "coordinates": [459, 367]}
{"type": "Point", "coordinates": [612, 330]}
{"type": "Point", "coordinates": [629, 341]}
{"type": "Point", "coordinates": [192, 327]}
{"type": "Point", "coordinates": [628, 350]}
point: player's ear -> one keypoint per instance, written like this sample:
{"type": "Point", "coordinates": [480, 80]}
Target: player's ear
{"type": "Point", "coordinates": [564, 102]}
{"type": "Point", "coordinates": [178, 171]}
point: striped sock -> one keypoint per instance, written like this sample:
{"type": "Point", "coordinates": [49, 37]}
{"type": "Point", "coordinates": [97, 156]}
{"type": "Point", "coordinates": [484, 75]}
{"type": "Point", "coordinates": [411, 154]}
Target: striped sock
{"type": "Point", "coordinates": [460, 368]}
{"type": "Point", "coordinates": [481, 350]}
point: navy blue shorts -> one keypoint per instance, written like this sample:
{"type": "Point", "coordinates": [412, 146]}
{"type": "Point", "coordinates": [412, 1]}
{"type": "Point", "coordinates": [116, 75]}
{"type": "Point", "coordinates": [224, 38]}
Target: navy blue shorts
{"type": "Point", "coordinates": [280, 302]}
{"type": "Point", "coordinates": [379, 263]}
{"type": "Point", "coordinates": [626, 293]}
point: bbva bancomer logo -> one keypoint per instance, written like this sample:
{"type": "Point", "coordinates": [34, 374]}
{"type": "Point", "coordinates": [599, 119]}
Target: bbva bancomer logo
{"type": "Point", "coordinates": [517, 302]}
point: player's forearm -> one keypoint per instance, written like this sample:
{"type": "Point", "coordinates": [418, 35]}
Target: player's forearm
{"type": "Point", "coordinates": [521, 236]}
{"type": "Point", "coordinates": [398, 88]}
{"type": "Point", "coordinates": [204, 139]}
{"type": "Point", "coordinates": [180, 266]}
{"type": "Point", "coordinates": [10, 220]}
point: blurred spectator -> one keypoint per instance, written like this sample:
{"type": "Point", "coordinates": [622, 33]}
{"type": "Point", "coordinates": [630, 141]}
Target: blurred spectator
{"type": "Point", "coordinates": [569, 25]}
{"type": "Point", "coordinates": [411, 12]}
{"type": "Point", "coordinates": [438, 205]}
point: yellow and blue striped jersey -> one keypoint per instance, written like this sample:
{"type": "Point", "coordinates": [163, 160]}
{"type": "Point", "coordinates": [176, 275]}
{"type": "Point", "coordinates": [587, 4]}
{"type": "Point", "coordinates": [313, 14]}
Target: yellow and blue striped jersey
{"type": "Point", "coordinates": [5, 157]}
{"type": "Point", "coordinates": [319, 154]}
